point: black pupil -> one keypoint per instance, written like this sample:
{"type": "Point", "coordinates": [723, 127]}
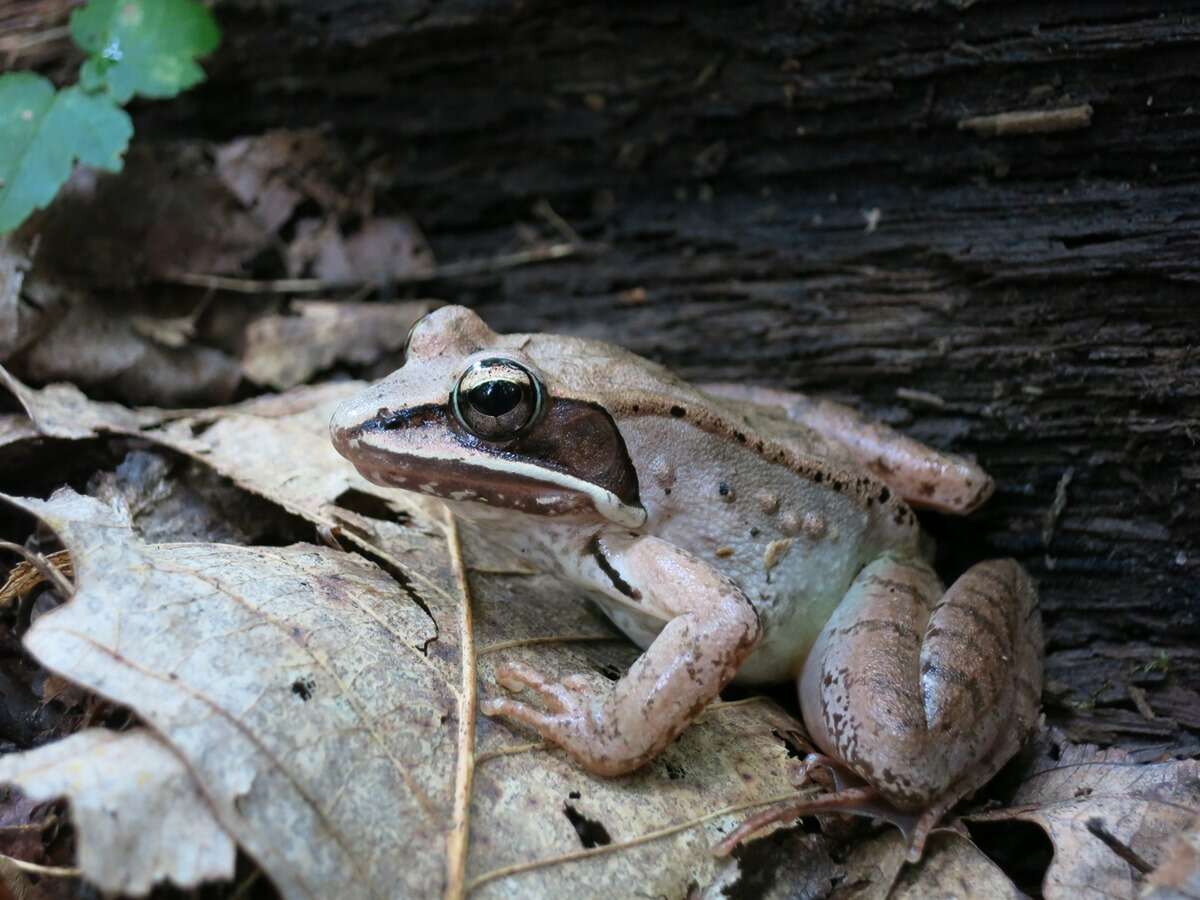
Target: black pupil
{"type": "Point", "coordinates": [495, 398]}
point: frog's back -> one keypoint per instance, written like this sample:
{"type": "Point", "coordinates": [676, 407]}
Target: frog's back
{"type": "Point", "coordinates": [768, 501]}
{"type": "Point", "coordinates": [771, 505]}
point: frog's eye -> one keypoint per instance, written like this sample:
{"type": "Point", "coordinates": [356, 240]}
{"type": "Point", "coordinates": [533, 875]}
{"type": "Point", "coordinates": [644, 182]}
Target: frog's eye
{"type": "Point", "coordinates": [497, 399]}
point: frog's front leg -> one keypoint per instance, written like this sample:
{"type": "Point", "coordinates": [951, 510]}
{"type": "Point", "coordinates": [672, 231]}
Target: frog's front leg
{"type": "Point", "coordinates": [922, 694]}
{"type": "Point", "coordinates": [712, 628]}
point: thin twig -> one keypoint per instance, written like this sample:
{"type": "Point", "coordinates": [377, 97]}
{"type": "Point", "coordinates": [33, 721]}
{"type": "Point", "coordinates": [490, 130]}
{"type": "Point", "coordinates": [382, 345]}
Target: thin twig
{"type": "Point", "coordinates": [16, 44]}
{"type": "Point", "coordinates": [31, 826]}
{"type": "Point", "coordinates": [561, 225]}
{"type": "Point", "coordinates": [1097, 829]}
{"type": "Point", "coordinates": [547, 639]}
{"type": "Point", "coordinates": [44, 568]}
{"type": "Point", "coordinates": [35, 869]}
{"type": "Point", "coordinates": [506, 871]}
{"type": "Point", "coordinates": [243, 889]}
{"type": "Point", "coordinates": [457, 838]}
{"type": "Point", "coordinates": [729, 704]}
{"type": "Point", "coordinates": [459, 269]}
{"type": "Point", "coordinates": [510, 751]}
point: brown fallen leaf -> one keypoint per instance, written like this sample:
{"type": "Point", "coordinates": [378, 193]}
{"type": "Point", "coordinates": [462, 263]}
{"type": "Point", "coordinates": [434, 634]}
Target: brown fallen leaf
{"type": "Point", "coordinates": [282, 351]}
{"type": "Point", "coordinates": [166, 210]}
{"type": "Point", "coordinates": [1107, 817]}
{"type": "Point", "coordinates": [139, 816]}
{"type": "Point", "coordinates": [1178, 875]}
{"type": "Point", "coordinates": [14, 263]}
{"type": "Point", "coordinates": [101, 343]}
{"type": "Point", "coordinates": [285, 678]}
{"type": "Point", "coordinates": [951, 867]}
{"type": "Point", "coordinates": [272, 173]}
{"type": "Point", "coordinates": [379, 251]}
{"type": "Point", "coordinates": [537, 824]}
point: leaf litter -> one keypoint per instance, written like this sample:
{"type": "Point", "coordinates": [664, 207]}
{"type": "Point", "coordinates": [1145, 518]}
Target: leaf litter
{"type": "Point", "coordinates": [535, 824]}
{"type": "Point", "coordinates": [291, 681]}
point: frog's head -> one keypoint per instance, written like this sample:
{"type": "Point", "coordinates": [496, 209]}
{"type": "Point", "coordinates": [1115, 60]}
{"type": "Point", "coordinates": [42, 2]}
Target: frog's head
{"type": "Point", "coordinates": [471, 417]}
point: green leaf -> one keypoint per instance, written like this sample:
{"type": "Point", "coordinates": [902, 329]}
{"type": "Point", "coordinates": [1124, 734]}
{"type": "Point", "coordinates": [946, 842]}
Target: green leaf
{"type": "Point", "coordinates": [42, 133]}
{"type": "Point", "coordinates": [143, 47]}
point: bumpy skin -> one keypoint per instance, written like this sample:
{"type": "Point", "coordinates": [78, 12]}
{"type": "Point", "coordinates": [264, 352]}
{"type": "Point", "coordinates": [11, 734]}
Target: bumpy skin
{"type": "Point", "coordinates": [759, 535]}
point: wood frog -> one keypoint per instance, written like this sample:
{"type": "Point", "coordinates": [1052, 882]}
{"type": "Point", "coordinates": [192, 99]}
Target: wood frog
{"type": "Point", "coordinates": [731, 533]}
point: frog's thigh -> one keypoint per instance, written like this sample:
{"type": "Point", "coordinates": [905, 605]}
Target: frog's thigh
{"type": "Point", "coordinates": [924, 693]}
{"type": "Point", "coordinates": [921, 475]}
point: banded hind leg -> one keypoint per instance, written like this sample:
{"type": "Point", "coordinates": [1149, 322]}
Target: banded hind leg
{"type": "Point", "coordinates": [922, 695]}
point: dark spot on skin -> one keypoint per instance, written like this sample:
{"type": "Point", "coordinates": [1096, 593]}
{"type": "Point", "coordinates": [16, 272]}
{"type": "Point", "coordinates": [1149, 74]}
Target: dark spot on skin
{"type": "Point", "coordinates": [303, 688]}
{"type": "Point", "coordinates": [667, 491]}
{"type": "Point", "coordinates": [678, 412]}
{"type": "Point", "coordinates": [674, 771]}
{"type": "Point", "coordinates": [884, 495]}
{"type": "Point", "coordinates": [754, 532]}
{"type": "Point", "coordinates": [597, 552]}
{"type": "Point", "coordinates": [574, 795]}
{"type": "Point", "coordinates": [818, 477]}
{"type": "Point", "coordinates": [591, 833]}
{"type": "Point", "coordinates": [723, 490]}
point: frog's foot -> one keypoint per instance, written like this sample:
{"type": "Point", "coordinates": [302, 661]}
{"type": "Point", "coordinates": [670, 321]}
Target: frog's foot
{"type": "Point", "coordinates": [565, 720]}
{"type": "Point", "coordinates": [851, 795]}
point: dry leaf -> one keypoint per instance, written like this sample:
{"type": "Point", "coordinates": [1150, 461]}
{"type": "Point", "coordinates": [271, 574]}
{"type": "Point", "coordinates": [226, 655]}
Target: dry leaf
{"type": "Point", "coordinates": [379, 251]}
{"type": "Point", "coordinates": [283, 351]}
{"type": "Point", "coordinates": [14, 263]}
{"type": "Point", "coordinates": [63, 411]}
{"type": "Point", "coordinates": [1178, 876]}
{"type": "Point", "coordinates": [267, 173]}
{"type": "Point", "coordinates": [1139, 807]}
{"type": "Point", "coordinates": [951, 867]}
{"type": "Point", "coordinates": [139, 815]}
{"type": "Point", "coordinates": [286, 679]}
{"type": "Point", "coordinates": [539, 825]}
{"type": "Point", "coordinates": [102, 343]}
{"type": "Point", "coordinates": [109, 231]}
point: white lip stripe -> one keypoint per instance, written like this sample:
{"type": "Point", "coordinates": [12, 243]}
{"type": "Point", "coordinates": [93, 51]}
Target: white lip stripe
{"type": "Point", "coordinates": [603, 499]}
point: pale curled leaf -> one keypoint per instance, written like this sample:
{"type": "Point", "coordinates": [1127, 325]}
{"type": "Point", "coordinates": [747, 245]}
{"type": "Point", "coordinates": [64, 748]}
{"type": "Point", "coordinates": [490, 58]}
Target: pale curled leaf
{"type": "Point", "coordinates": [283, 351]}
{"type": "Point", "coordinates": [1137, 807]}
{"type": "Point", "coordinates": [287, 681]}
{"type": "Point", "coordinates": [139, 814]}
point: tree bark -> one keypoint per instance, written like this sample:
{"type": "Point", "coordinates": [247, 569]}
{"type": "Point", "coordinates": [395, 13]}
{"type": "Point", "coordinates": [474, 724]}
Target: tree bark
{"type": "Point", "coordinates": [812, 196]}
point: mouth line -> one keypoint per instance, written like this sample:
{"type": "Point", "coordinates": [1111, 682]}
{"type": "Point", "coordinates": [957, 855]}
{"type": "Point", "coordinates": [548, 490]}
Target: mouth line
{"type": "Point", "coordinates": [505, 483]}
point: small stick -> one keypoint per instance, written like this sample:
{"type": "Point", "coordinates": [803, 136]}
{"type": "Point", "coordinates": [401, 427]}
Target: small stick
{"type": "Point", "coordinates": [316, 285]}
{"type": "Point", "coordinates": [1030, 121]}
{"type": "Point", "coordinates": [1096, 828]}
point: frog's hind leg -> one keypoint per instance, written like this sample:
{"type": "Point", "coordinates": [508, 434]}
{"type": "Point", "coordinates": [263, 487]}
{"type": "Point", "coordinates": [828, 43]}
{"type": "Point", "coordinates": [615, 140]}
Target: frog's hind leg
{"type": "Point", "coordinates": [925, 694]}
{"type": "Point", "coordinates": [850, 796]}
{"type": "Point", "coordinates": [923, 476]}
